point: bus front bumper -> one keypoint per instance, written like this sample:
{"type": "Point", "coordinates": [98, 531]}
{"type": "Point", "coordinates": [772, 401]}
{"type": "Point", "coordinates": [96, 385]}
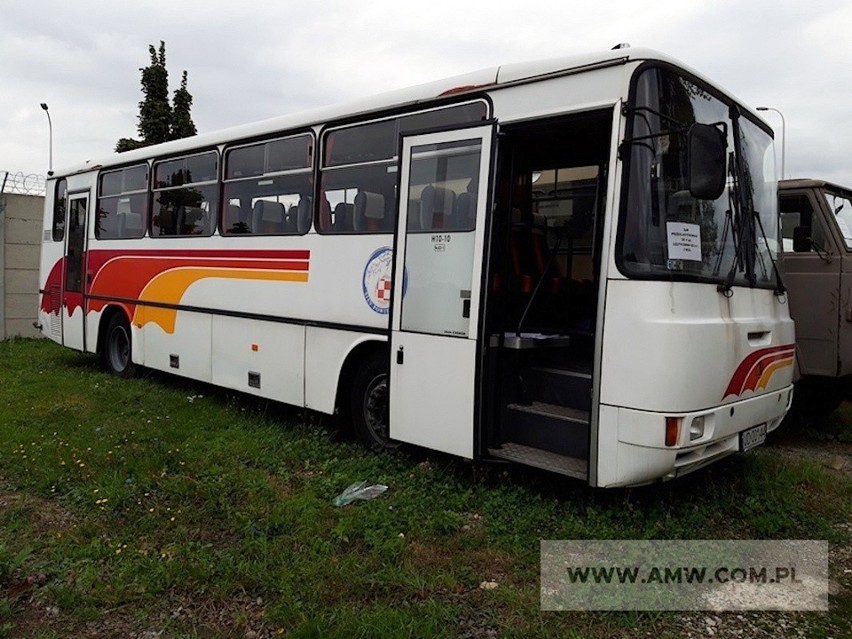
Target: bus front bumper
{"type": "Point", "coordinates": [632, 444]}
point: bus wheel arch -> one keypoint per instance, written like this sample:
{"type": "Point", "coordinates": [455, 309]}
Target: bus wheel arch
{"type": "Point", "coordinates": [115, 342]}
{"type": "Point", "coordinates": [362, 397]}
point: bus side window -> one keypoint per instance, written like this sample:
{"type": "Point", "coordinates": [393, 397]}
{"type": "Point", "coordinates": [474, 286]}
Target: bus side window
{"type": "Point", "coordinates": [358, 178]}
{"type": "Point", "coordinates": [122, 203]}
{"type": "Point", "coordinates": [343, 186]}
{"type": "Point", "coordinates": [267, 187]}
{"type": "Point", "coordinates": [58, 230]}
{"type": "Point", "coordinates": [185, 193]}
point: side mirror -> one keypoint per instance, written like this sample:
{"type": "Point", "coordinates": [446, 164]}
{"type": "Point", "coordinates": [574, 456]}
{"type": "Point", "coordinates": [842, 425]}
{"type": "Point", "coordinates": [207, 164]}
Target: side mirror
{"type": "Point", "coordinates": [706, 166]}
{"type": "Point", "coordinates": [801, 239]}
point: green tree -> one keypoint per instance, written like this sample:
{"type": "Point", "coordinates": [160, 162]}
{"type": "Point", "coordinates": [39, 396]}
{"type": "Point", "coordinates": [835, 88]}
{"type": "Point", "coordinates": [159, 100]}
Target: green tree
{"type": "Point", "coordinates": [160, 121]}
{"type": "Point", "coordinates": [182, 124]}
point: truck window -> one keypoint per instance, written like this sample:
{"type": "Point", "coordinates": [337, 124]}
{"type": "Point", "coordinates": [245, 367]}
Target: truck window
{"type": "Point", "coordinates": [841, 206]}
{"type": "Point", "coordinates": [797, 210]}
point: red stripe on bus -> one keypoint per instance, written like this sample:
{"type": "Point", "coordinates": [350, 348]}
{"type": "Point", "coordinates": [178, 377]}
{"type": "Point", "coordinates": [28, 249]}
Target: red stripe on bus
{"type": "Point", "coordinates": [741, 375]}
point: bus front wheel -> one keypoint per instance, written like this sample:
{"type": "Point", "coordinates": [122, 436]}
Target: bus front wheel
{"type": "Point", "coordinates": [117, 350]}
{"type": "Point", "coordinates": [370, 405]}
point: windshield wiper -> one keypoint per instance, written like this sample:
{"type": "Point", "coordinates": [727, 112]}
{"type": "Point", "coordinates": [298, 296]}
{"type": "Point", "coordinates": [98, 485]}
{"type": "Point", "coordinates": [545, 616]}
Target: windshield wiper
{"type": "Point", "coordinates": [744, 220]}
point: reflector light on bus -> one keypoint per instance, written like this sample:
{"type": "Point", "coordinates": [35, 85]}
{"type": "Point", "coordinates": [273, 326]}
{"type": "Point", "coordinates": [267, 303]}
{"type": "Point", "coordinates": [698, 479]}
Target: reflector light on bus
{"type": "Point", "coordinates": [672, 430]}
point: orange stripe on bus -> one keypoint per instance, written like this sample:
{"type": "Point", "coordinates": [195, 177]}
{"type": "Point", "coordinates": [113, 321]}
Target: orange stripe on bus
{"type": "Point", "coordinates": [170, 287]}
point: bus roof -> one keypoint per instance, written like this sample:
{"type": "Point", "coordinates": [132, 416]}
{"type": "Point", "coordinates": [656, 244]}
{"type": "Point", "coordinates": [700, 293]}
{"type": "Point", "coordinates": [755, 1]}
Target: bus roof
{"type": "Point", "coordinates": [469, 83]}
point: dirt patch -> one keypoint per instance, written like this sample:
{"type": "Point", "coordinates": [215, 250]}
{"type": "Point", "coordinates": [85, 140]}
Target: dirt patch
{"type": "Point", "coordinates": [833, 455]}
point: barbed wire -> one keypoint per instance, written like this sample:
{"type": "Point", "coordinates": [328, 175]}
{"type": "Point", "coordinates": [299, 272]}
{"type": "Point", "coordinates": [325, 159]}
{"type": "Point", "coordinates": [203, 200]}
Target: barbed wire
{"type": "Point", "coordinates": [21, 183]}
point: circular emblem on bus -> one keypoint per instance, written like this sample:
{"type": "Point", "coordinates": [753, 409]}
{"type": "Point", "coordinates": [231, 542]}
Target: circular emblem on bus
{"type": "Point", "coordinates": [376, 283]}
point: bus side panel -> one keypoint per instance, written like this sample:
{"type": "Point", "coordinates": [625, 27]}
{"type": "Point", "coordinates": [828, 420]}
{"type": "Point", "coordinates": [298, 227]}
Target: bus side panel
{"type": "Point", "coordinates": [261, 358]}
{"type": "Point", "coordinates": [679, 347]}
{"type": "Point", "coordinates": [190, 343]}
{"type": "Point", "coordinates": [326, 351]}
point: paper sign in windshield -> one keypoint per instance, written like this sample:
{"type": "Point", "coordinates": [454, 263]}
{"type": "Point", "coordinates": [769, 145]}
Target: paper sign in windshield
{"type": "Point", "coordinates": [684, 241]}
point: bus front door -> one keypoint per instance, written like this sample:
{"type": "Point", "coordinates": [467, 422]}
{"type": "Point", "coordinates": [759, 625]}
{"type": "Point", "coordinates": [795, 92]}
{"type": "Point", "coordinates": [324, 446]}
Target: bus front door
{"type": "Point", "coordinates": [73, 280]}
{"type": "Point", "coordinates": [436, 288]}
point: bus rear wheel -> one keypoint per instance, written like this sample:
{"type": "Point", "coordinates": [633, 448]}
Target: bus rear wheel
{"type": "Point", "coordinates": [370, 406]}
{"type": "Point", "coordinates": [117, 358]}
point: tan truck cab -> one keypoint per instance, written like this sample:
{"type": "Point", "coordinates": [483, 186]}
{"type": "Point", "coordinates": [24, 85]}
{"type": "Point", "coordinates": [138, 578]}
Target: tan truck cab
{"type": "Point", "coordinates": [816, 221]}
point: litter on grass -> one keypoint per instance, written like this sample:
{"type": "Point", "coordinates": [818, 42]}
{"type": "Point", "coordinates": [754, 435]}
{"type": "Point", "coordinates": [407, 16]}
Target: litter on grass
{"type": "Point", "coordinates": [359, 490]}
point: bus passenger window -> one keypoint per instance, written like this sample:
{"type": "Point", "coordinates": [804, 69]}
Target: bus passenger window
{"type": "Point", "coordinates": [361, 197]}
{"type": "Point", "coordinates": [185, 196]}
{"type": "Point", "coordinates": [268, 188]}
{"type": "Point", "coordinates": [60, 197]}
{"type": "Point", "coordinates": [122, 203]}
{"type": "Point", "coordinates": [361, 159]}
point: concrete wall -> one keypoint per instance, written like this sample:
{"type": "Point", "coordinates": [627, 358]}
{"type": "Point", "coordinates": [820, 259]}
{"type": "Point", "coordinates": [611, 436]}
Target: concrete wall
{"type": "Point", "coordinates": [20, 243]}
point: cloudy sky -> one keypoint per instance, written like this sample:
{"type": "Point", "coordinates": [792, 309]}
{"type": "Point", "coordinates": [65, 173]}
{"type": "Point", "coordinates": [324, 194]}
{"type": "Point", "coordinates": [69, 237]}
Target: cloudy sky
{"type": "Point", "coordinates": [251, 60]}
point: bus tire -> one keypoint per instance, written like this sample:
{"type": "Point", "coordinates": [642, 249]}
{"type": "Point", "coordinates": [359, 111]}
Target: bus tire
{"type": "Point", "coordinates": [369, 405]}
{"type": "Point", "coordinates": [117, 352]}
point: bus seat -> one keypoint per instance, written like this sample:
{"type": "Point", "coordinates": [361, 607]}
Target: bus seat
{"type": "Point", "coordinates": [267, 217]}
{"type": "Point", "coordinates": [681, 207]}
{"type": "Point", "coordinates": [130, 225]}
{"type": "Point", "coordinates": [369, 212]}
{"type": "Point", "coordinates": [521, 267]}
{"type": "Point", "coordinates": [205, 224]}
{"type": "Point", "coordinates": [291, 222]}
{"type": "Point", "coordinates": [414, 215]}
{"type": "Point", "coordinates": [303, 215]}
{"type": "Point", "coordinates": [436, 207]}
{"type": "Point", "coordinates": [236, 221]}
{"type": "Point", "coordinates": [191, 220]}
{"type": "Point", "coordinates": [543, 266]}
{"type": "Point", "coordinates": [343, 217]}
{"type": "Point", "coordinates": [324, 223]}
{"type": "Point", "coordinates": [465, 215]}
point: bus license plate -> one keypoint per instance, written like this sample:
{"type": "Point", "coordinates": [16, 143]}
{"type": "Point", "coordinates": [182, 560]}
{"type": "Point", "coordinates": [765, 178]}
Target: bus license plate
{"type": "Point", "coordinates": [752, 437]}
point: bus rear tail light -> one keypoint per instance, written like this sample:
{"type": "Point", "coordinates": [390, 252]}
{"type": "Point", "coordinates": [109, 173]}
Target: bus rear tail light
{"type": "Point", "coordinates": [672, 430]}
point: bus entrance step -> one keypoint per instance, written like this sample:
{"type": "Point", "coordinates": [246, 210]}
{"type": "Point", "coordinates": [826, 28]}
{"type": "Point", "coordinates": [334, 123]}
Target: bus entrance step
{"type": "Point", "coordinates": [564, 387]}
{"type": "Point", "coordinates": [559, 429]}
{"type": "Point", "coordinates": [562, 413]}
{"type": "Point", "coordinates": [544, 459]}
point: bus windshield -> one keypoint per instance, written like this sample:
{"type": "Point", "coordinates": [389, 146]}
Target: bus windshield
{"type": "Point", "coordinates": [841, 206]}
{"type": "Point", "coordinates": [665, 232]}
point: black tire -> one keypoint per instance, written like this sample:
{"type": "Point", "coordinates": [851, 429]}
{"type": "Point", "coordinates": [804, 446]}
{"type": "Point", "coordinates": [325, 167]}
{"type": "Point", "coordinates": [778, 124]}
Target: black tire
{"type": "Point", "coordinates": [369, 406]}
{"type": "Point", "coordinates": [117, 348]}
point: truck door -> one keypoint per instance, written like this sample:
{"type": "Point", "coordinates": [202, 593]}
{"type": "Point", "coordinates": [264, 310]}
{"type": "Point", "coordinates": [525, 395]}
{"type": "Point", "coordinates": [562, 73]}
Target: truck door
{"type": "Point", "coordinates": [813, 279]}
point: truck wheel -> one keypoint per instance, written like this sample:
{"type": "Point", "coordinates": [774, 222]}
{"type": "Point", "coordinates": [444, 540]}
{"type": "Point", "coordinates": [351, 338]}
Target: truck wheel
{"type": "Point", "coordinates": [369, 404]}
{"type": "Point", "coordinates": [117, 350]}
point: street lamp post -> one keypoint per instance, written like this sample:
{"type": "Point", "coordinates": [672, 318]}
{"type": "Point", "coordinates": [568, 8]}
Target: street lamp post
{"type": "Point", "coordinates": [50, 131]}
{"type": "Point", "coordinates": [783, 134]}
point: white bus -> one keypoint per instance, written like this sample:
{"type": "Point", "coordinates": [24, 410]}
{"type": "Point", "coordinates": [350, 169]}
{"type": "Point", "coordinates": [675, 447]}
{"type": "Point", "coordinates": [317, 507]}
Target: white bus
{"type": "Point", "coordinates": [568, 264]}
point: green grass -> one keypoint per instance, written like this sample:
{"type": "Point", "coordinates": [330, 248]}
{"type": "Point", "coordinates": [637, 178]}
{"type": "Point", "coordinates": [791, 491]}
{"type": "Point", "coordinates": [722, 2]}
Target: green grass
{"type": "Point", "coordinates": [159, 504]}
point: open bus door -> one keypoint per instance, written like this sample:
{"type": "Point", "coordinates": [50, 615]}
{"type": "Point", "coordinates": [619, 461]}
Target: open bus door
{"type": "Point", "coordinates": [436, 288]}
{"type": "Point", "coordinates": [73, 279]}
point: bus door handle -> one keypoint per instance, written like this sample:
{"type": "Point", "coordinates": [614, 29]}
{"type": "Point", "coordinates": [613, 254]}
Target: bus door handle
{"type": "Point", "coordinates": [464, 294]}
{"type": "Point", "coordinates": [400, 355]}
